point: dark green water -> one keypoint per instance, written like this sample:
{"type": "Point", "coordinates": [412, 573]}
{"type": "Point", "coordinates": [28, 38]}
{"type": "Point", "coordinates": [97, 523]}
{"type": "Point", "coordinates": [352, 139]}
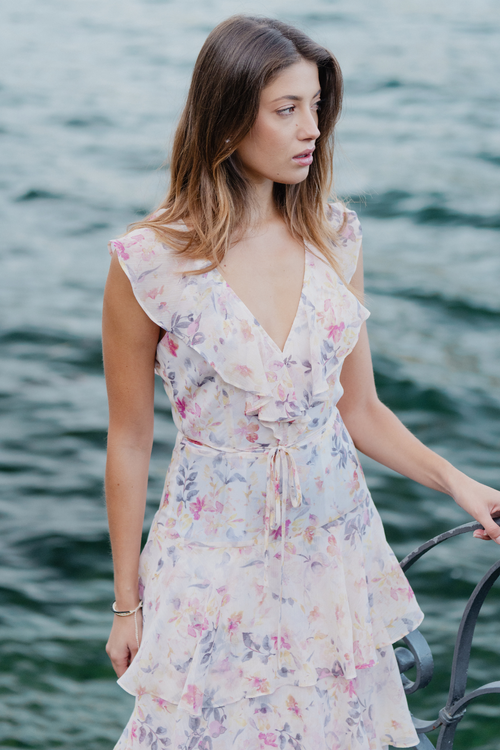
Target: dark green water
{"type": "Point", "coordinates": [89, 94]}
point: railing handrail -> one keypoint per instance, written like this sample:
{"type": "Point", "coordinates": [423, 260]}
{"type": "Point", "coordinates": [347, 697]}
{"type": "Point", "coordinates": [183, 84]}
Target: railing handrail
{"type": "Point", "coordinates": [418, 653]}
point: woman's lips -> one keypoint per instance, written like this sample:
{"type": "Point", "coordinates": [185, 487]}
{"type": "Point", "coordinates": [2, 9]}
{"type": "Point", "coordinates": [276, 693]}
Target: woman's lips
{"type": "Point", "coordinates": [305, 158]}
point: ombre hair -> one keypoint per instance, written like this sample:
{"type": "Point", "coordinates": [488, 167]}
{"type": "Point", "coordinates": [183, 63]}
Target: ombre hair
{"type": "Point", "coordinates": [209, 194]}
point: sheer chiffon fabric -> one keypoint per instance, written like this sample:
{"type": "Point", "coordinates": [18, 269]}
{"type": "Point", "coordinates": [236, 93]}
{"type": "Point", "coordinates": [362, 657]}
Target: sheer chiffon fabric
{"type": "Point", "coordinates": [271, 597]}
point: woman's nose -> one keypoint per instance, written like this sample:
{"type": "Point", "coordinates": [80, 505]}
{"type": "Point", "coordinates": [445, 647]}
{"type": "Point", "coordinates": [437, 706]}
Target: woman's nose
{"type": "Point", "coordinates": [309, 126]}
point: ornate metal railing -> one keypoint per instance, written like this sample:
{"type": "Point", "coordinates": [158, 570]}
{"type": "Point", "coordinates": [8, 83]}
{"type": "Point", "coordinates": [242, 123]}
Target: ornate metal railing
{"type": "Point", "coordinates": [418, 653]}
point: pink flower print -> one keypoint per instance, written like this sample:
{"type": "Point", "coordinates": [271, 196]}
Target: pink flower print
{"type": "Point", "coordinates": [332, 548]}
{"type": "Point", "coordinates": [244, 370]}
{"type": "Point", "coordinates": [260, 683]}
{"type": "Point", "coordinates": [193, 697]}
{"type": "Point", "coordinates": [197, 506]}
{"type": "Point", "coordinates": [197, 629]}
{"type": "Point", "coordinates": [248, 430]}
{"type": "Point", "coordinates": [309, 534]}
{"type": "Point", "coordinates": [354, 483]}
{"type": "Point", "coordinates": [196, 410]}
{"type": "Point", "coordinates": [193, 327]}
{"type": "Point", "coordinates": [276, 533]}
{"type": "Point", "coordinates": [181, 407]}
{"type": "Point", "coordinates": [293, 706]}
{"type": "Point", "coordinates": [409, 593]}
{"type": "Point", "coordinates": [216, 728]}
{"type": "Point", "coordinates": [120, 249]}
{"type": "Point", "coordinates": [268, 738]}
{"type": "Point", "coordinates": [153, 293]}
{"type": "Point", "coordinates": [172, 345]}
{"type": "Point", "coordinates": [252, 433]}
{"type": "Point", "coordinates": [160, 702]}
{"type": "Point", "coordinates": [351, 690]}
{"type": "Point", "coordinates": [133, 731]}
{"type": "Point", "coordinates": [322, 672]}
{"type": "Point", "coordinates": [356, 647]}
{"type": "Point", "coordinates": [246, 331]}
{"type": "Point", "coordinates": [219, 507]}
{"type": "Point", "coordinates": [367, 665]}
{"type": "Point", "coordinates": [134, 239]}
{"type": "Point", "coordinates": [319, 484]}
{"type": "Point", "coordinates": [284, 642]}
{"type": "Point", "coordinates": [234, 622]}
{"type": "Point", "coordinates": [314, 614]}
{"type": "Point", "coordinates": [335, 332]}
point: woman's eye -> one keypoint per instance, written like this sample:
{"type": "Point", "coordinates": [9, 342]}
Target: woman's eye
{"type": "Point", "coordinates": [286, 111]}
{"type": "Point", "coordinates": [317, 105]}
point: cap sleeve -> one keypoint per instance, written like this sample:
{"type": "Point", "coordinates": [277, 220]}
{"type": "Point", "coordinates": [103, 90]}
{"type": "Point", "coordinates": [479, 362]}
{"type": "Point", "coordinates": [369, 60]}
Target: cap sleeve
{"type": "Point", "coordinates": [350, 237]}
{"type": "Point", "coordinates": [150, 266]}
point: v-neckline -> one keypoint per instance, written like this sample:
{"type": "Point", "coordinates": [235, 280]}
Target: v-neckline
{"type": "Point", "coordinates": [254, 321]}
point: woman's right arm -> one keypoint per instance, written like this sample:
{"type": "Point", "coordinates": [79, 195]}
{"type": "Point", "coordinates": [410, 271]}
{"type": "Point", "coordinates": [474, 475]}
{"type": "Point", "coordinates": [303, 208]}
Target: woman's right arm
{"type": "Point", "coordinates": [129, 346]}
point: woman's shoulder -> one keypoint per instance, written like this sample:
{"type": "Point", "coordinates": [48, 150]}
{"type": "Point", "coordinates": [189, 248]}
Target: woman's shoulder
{"type": "Point", "coordinates": [349, 236]}
{"type": "Point", "coordinates": [153, 268]}
{"type": "Point", "coordinates": [142, 243]}
{"type": "Point", "coordinates": [345, 221]}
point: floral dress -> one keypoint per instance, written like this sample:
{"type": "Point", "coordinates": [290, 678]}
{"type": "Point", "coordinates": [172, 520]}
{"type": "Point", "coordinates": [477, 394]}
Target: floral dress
{"type": "Point", "coordinates": [271, 597]}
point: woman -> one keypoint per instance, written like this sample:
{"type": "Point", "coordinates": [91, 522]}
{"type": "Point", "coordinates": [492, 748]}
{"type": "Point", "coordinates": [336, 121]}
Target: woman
{"type": "Point", "coordinates": [269, 595]}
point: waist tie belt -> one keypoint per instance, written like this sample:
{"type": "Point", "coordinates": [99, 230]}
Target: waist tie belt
{"type": "Point", "coordinates": [281, 468]}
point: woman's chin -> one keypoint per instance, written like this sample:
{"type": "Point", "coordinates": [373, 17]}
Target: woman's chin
{"type": "Point", "coordinates": [294, 179]}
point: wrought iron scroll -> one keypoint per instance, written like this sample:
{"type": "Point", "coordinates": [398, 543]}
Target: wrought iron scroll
{"type": "Point", "coordinates": [418, 654]}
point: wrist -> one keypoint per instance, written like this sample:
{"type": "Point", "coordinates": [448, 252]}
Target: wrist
{"type": "Point", "coordinates": [127, 597]}
{"type": "Point", "coordinates": [450, 479]}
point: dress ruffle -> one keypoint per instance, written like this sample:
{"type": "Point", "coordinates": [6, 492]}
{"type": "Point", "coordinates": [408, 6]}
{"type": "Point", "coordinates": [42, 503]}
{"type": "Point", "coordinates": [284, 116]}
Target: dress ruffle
{"type": "Point", "coordinates": [211, 625]}
{"type": "Point", "coordinates": [334, 714]}
{"type": "Point", "coordinates": [334, 317]}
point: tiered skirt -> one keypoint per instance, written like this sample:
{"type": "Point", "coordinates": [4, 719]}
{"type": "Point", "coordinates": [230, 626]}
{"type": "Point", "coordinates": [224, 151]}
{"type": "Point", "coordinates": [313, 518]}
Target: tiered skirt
{"type": "Point", "coordinates": [295, 656]}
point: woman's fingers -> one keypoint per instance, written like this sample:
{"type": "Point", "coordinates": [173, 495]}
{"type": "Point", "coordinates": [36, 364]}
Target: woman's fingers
{"type": "Point", "coordinates": [483, 504]}
{"type": "Point", "coordinates": [120, 657]}
{"type": "Point", "coordinates": [481, 534]}
{"type": "Point", "coordinates": [123, 643]}
{"type": "Point", "coordinates": [491, 530]}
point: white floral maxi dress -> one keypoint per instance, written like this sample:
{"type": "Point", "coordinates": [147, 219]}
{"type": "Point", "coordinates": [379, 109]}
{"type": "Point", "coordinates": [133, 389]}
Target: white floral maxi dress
{"type": "Point", "coordinates": [271, 597]}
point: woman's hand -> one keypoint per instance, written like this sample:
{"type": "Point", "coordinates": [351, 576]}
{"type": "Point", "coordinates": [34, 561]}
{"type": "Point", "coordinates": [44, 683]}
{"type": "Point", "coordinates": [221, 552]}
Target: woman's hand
{"type": "Point", "coordinates": [482, 503]}
{"type": "Point", "coordinates": [122, 645]}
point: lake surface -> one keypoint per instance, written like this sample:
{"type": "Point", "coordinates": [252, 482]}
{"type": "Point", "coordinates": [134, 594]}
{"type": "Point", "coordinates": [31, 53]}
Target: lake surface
{"type": "Point", "coordinates": [90, 93]}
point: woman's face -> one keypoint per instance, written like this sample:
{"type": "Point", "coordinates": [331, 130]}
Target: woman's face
{"type": "Point", "coordinates": [280, 145]}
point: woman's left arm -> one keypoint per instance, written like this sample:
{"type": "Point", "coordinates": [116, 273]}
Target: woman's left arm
{"type": "Point", "coordinates": [379, 434]}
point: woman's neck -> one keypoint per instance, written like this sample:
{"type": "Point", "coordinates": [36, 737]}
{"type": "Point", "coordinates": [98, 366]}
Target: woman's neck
{"type": "Point", "coordinates": [262, 207]}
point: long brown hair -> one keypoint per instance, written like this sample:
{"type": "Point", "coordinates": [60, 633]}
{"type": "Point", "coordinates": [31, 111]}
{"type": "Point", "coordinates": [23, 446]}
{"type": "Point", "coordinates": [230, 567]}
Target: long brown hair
{"type": "Point", "coordinates": [209, 192]}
